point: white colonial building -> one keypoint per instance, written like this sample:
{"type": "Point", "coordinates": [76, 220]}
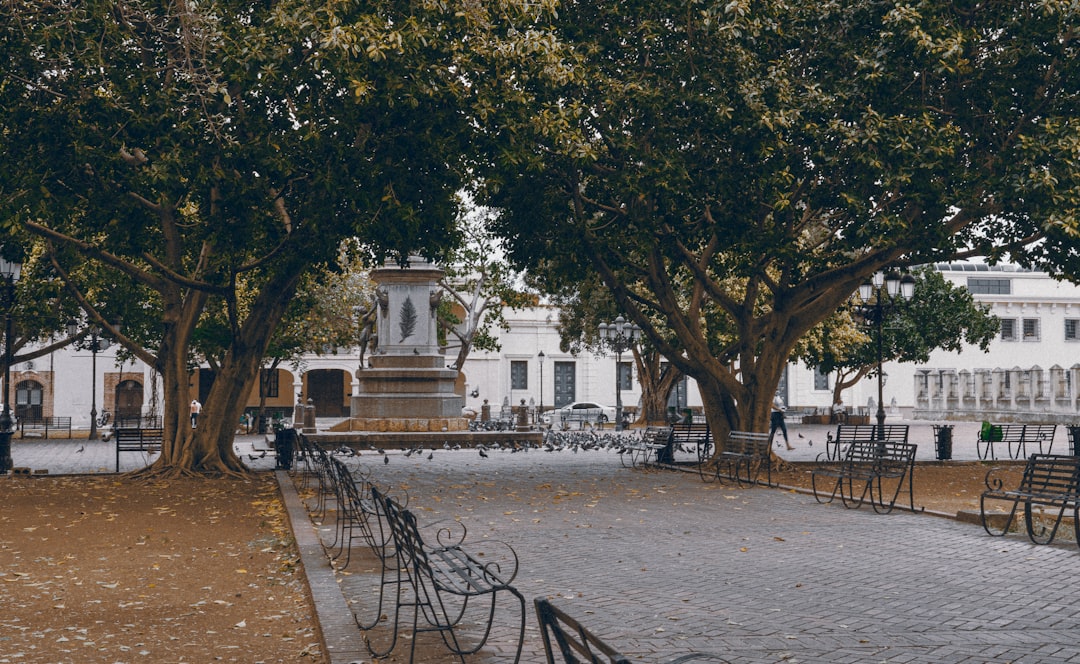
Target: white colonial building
{"type": "Point", "coordinates": [1032, 368]}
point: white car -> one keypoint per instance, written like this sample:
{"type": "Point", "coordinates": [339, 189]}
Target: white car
{"type": "Point", "coordinates": [581, 411]}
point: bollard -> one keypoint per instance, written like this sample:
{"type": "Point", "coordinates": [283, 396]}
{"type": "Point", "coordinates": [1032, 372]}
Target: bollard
{"type": "Point", "coordinates": [522, 417]}
{"type": "Point", "coordinates": [309, 417]}
{"type": "Point", "coordinates": [298, 414]}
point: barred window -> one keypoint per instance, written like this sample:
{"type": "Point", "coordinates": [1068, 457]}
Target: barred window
{"type": "Point", "coordinates": [1031, 329]}
{"type": "Point", "coordinates": [1071, 325]}
{"type": "Point", "coordinates": [1008, 329]}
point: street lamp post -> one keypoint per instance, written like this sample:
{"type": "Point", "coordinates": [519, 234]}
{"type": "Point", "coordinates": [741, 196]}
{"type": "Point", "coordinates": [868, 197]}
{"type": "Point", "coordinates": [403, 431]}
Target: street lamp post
{"type": "Point", "coordinates": [620, 337]}
{"type": "Point", "coordinates": [10, 270]}
{"type": "Point", "coordinates": [540, 358]}
{"type": "Point", "coordinates": [876, 298]}
{"type": "Point", "coordinates": [95, 344]}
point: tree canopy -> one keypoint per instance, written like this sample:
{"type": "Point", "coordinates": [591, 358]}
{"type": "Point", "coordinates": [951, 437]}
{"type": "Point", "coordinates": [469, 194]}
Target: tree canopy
{"type": "Point", "coordinates": [737, 169]}
{"type": "Point", "coordinates": [220, 150]}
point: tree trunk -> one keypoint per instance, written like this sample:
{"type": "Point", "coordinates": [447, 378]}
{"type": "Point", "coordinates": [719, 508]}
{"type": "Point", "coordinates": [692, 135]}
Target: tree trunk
{"type": "Point", "coordinates": [657, 380]}
{"type": "Point", "coordinates": [239, 374]}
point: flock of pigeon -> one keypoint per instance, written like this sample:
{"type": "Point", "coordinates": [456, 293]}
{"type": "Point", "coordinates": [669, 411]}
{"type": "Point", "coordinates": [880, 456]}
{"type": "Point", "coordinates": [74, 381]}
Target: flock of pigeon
{"type": "Point", "coordinates": [553, 441]}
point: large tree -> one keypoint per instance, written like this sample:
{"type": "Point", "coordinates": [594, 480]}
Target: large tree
{"type": "Point", "coordinates": [939, 316]}
{"type": "Point", "coordinates": [216, 151]}
{"type": "Point", "coordinates": [736, 169]}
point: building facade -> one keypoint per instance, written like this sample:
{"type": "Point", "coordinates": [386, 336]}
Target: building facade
{"type": "Point", "coordinates": [1030, 371]}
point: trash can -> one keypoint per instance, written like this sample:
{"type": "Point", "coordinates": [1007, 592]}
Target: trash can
{"type": "Point", "coordinates": [943, 440]}
{"type": "Point", "coordinates": [284, 444]}
{"type": "Point", "coordinates": [1074, 440]}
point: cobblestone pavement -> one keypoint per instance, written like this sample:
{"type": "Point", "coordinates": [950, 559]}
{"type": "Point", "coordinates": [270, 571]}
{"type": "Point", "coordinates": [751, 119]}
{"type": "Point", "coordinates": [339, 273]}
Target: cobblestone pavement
{"type": "Point", "coordinates": [658, 563]}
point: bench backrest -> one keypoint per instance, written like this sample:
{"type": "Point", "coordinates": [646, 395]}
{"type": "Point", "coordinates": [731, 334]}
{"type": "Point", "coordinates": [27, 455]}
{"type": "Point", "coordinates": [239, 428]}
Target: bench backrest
{"type": "Point", "coordinates": [1002, 433]}
{"type": "Point", "coordinates": [131, 438]}
{"type": "Point", "coordinates": [656, 435]}
{"type": "Point", "coordinates": [693, 432]}
{"type": "Point", "coordinates": [409, 545]}
{"type": "Point", "coordinates": [1040, 432]}
{"type": "Point", "coordinates": [572, 641]}
{"type": "Point", "coordinates": [886, 454]}
{"type": "Point", "coordinates": [1052, 473]}
{"type": "Point", "coordinates": [45, 422]}
{"type": "Point", "coordinates": [846, 433]}
{"type": "Point", "coordinates": [747, 442]}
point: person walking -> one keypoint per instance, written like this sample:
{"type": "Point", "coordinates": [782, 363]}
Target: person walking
{"type": "Point", "coordinates": [196, 408]}
{"type": "Point", "coordinates": [776, 420]}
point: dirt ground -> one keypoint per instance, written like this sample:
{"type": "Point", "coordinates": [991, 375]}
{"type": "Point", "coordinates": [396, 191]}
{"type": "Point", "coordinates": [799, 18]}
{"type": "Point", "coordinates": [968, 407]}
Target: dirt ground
{"type": "Point", "coordinates": [948, 487]}
{"type": "Point", "coordinates": [106, 569]}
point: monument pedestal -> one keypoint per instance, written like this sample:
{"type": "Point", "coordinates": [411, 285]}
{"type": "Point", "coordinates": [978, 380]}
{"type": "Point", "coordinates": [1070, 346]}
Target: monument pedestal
{"type": "Point", "coordinates": [407, 393]}
{"type": "Point", "coordinates": [407, 388]}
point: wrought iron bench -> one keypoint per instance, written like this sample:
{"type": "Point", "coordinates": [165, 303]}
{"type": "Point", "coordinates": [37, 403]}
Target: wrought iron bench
{"type": "Point", "coordinates": [653, 441]}
{"type": "Point", "coordinates": [746, 454]}
{"type": "Point", "coordinates": [439, 581]}
{"type": "Point", "coordinates": [863, 472]}
{"type": "Point", "coordinates": [356, 516]}
{"type": "Point", "coordinates": [41, 427]}
{"type": "Point", "coordinates": [1016, 438]}
{"type": "Point", "coordinates": [1049, 480]}
{"type": "Point", "coordinates": [693, 437]}
{"type": "Point", "coordinates": [137, 439]}
{"type": "Point", "coordinates": [576, 645]}
{"type": "Point", "coordinates": [851, 433]}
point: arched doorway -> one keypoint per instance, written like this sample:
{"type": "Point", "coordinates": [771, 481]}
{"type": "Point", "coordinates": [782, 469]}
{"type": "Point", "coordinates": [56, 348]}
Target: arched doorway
{"type": "Point", "coordinates": [129, 399]}
{"type": "Point", "coordinates": [28, 394]}
{"type": "Point", "coordinates": [326, 389]}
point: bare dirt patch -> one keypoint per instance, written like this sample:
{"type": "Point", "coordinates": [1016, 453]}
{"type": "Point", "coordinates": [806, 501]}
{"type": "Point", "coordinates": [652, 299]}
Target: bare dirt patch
{"type": "Point", "coordinates": [948, 486]}
{"type": "Point", "coordinates": [108, 569]}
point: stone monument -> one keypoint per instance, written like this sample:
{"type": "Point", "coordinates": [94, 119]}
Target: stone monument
{"type": "Point", "coordinates": [407, 387]}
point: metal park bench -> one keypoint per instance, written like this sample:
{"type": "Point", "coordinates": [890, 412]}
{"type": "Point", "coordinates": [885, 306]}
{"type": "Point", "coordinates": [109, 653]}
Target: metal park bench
{"type": "Point", "coordinates": [137, 439]}
{"type": "Point", "coordinates": [574, 644]}
{"type": "Point", "coordinates": [653, 441]}
{"type": "Point", "coordinates": [746, 454]}
{"type": "Point", "coordinates": [1016, 438]}
{"type": "Point", "coordinates": [42, 427]}
{"type": "Point", "coordinates": [444, 579]}
{"type": "Point", "coordinates": [863, 472]}
{"type": "Point", "coordinates": [1049, 480]}
{"type": "Point", "coordinates": [693, 437]}
{"type": "Point", "coordinates": [852, 433]}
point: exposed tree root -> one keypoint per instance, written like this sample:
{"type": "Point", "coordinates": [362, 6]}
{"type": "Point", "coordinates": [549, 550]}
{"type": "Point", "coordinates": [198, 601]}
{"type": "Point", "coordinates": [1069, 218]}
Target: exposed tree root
{"type": "Point", "coordinates": [157, 471]}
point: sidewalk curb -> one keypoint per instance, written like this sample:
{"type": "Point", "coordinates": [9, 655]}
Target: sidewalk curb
{"type": "Point", "coordinates": [341, 638]}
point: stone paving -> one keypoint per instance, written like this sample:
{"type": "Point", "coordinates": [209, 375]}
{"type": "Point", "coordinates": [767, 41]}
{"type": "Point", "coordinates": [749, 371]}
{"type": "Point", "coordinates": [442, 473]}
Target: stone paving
{"type": "Point", "coordinates": [659, 563]}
